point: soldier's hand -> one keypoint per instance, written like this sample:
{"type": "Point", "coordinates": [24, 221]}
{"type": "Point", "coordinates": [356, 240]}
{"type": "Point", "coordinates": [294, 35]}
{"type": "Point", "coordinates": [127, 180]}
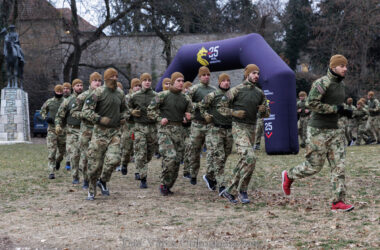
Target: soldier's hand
{"type": "Point", "coordinates": [299, 110]}
{"type": "Point", "coordinates": [58, 129]}
{"type": "Point", "coordinates": [104, 120]}
{"type": "Point", "coordinates": [122, 121]}
{"type": "Point", "coordinates": [208, 118]}
{"type": "Point", "coordinates": [238, 113]}
{"type": "Point", "coordinates": [188, 116]}
{"type": "Point", "coordinates": [306, 111]}
{"type": "Point", "coordinates": [164, 121]}
{"type": "Point", "coordinates": [261, 108]}
{"type": "Point", "coordinates": [136, 113]}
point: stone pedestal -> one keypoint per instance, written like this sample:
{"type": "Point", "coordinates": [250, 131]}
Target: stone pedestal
{"type": "Point", "coordinates": [14, 116]}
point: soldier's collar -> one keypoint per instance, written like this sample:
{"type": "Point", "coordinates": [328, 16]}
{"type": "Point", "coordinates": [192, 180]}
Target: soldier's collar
{"type": "Point", "coordinates": [334, 76]}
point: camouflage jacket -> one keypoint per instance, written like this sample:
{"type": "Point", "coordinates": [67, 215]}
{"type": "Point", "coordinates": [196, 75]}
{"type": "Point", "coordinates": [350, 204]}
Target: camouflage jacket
{"type": "Point", "coordinates": [154, 112]}
{"type": "Point", "coordinates": [76, 112]}
{"type": "Point", "coordinates": [64, 110]}
{"type": "Point", "coordinates": [48, 105]}
{"type": "Point", "coordinates": [99, 104]}
{"type": "Point", "coordinates": [373, 107]}
{"type": "Point", "coordinates": [210, 104]}
{"type": "Point", "coordinates": [196, 93]}
{"type": "Point", "coordinates": [360, 115]}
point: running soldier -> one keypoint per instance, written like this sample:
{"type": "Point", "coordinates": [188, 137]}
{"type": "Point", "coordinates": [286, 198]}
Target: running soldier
{"type": "Point", "coordinates": [304, 117]}
{"type": "Point", "coordinates": [55, 143]}
{"type": "Point", "coordinates": [145, 129]}
{"type": "Point", "coordinates": [169, 108]}
{"type": "Point", "coordinates": [66, 94]}
{"type": "Point", "coordinates": [219, 137]}
{"type": "Point", "coordinates": [73, 128]}
{"type": "Point", "coordinates": [373, 123]}
{"type": "Point", "coordinates": [325, 139]}
{"type": "Point", "coordinates": [106, 109]}
{"type": "Point", "coordinates": [127, 131]}
{"type": "Point", "coordinates": [199, 127]}
{"type": "Point", "coordinates": [86, 126]}
{"type": "Point", "coordinates": [246, 101]}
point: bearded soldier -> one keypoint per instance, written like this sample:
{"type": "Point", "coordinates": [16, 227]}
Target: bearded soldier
{"type": "Point", "coordinates": [219, 137]}
{"type": "Point", "coordinates": [169, 108]}
{"type": "Point", "coordinates": [106, 109]}
{"type": "Point", "coordinates": [73, 128]}
{"type": "Point", "coordinates": [127, 134]}
{"type": "Point", "coordinates": [55, 142]}
{"type": "Point", "coordinates": [325, 138]}
{"type": "Point", "coordinates": [246, 101]}
{"type": "Point", "coordinates": [86, 126]}
{"type": "Point", "coordinates": [199, 127]}
{"type": "Point", "coordinates": [145, 129]}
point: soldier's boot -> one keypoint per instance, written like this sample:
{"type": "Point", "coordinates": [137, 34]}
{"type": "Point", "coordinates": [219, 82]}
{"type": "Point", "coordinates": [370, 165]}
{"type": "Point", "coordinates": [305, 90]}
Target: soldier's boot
{"type": "Point", "coordinates": [118, 169]}
{"type": "Point", "coordinates": [68, 166]}
{"type": "Point", "coordinates": [57, 165]}
{"type": "Point", "coordinates": [124, 170]}
{"type": "Point", "coordinates": [137, 177]}
{"type": "Point", "coordinates": [51, 176]}
{"type": "Point", "coordinates": [193, 181]}
{"type": "Point", "coordinates": [221, 190]}
{"type": "Point", "coordinates": [75, 181]}
{"type": "Point", "coordinates": [341, 206]}
{"type": "Point", "coordinates": [243, 198]}
{"type": "Point", "coordinates": [210, 183]}
{"type": "Point", "coordinates": [170, 192]}
{"type": "Point", "coordinates": [302, 145]}
{"type": "Point", "coordinates": [103, 187]}
{"type": "Point", "coordinates": [228, 196]}
{"type": "Point", "coordinates": [187, 175]}
{"type": "Point", "coordinates": [90, 196]}
{"type": "Point", "coordinates": [286, 183]}
{"type": "Point", "coordinates": [143, 183]}
{"type": "Point", "coordinates": [163, 190]}
{"type": "Point", "coordinates": [85, 185]}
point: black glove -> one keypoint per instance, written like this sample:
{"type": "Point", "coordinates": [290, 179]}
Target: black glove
{"type": "Point", "coordinates": [50, 120]}
{"type": "Point", "coordinates": [344, 112]}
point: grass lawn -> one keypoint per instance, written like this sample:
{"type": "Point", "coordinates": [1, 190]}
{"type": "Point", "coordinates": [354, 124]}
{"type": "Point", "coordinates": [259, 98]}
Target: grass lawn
{"type": "Point", "coordinates": [41, 213]}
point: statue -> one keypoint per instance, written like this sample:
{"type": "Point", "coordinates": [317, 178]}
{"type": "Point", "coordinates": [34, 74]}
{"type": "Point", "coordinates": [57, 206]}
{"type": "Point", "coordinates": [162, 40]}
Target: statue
{"type": "Point", "coordinates": [13, 56]}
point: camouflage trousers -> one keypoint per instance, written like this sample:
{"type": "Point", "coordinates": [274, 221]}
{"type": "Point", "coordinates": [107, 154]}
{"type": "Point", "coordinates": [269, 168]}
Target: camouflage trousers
{"type": "Point", "coordinates": [67, 155]}
{"type": "Point", "coordinates": [144, 146]}
{"type": "Point", "coordinates": [302, 127]}
{"type": "Point", "coordinates": [244, 136]}
{"type": "Point", "coordinates": [73, 149]}
{"type": "Point", "coordinates": [343, 125]}
{"type": "Point", "coordinates": [85, 138]}
{"type": "Point", "coordinates": [126, 143]}
{"type": "Point", "coordinates": [373, 126]}
{"type": "Point", "coordinates": [197, 139]}
{"type": "Point", "coordinates": [361, 132]}
{"type": "Point", "coordinates": [55, 146]}
{"type": "Point", "coordinates": [219, 145]}
{"type": "Point", "coordinates": [259, 131]}
{"type": "Point", "coordinates": [322, 144]}
{"type": "Point", "coordinates": [103, 155]}
{"type": "Point", "coordinates": [172, 147]}
{"type": "Point", "coordinates": [186, 155]}
{"type": "Point", "coordinates": [351, 129]}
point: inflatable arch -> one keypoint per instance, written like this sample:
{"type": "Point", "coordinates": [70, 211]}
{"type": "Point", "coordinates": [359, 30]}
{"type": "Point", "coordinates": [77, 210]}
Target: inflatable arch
{"type": "Point", "coordinates": [276, 78]}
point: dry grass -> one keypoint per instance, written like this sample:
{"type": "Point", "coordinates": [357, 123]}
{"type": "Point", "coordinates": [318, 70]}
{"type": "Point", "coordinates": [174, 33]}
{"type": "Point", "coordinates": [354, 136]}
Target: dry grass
{"type": "Point", "coordinates": [40, 213]}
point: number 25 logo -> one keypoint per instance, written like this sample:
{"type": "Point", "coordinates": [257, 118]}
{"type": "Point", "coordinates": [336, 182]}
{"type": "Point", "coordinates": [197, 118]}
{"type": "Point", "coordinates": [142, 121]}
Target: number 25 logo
{"type": "Point", "coordinates": [213, 51]}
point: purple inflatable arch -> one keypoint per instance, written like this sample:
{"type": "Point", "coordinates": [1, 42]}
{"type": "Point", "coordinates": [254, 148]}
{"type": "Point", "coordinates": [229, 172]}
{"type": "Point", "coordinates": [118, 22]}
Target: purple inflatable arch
{"type": "Point", "coordinates": [276, 78]}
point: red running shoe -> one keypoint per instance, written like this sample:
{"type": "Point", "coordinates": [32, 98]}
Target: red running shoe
{"type": "Point", "coordinates": [341, 206]}
{"type": "Point", "coordinates": [286, 183]}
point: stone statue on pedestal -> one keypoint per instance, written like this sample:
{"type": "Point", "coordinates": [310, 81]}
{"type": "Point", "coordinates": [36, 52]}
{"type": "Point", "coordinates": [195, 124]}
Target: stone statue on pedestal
{"type": "Point", "coordinates": [14, 57]}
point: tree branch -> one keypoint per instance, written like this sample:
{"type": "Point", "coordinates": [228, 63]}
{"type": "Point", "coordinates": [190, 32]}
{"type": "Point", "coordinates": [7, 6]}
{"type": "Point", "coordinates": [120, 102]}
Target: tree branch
{"type": "Point", "coordinates": [104, 67]}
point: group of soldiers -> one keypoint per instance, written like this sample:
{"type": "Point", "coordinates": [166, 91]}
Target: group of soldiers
{"type": "Point", "coordinates": [363, 127]}
{"type": "Point", "coordinates": [102, 127]}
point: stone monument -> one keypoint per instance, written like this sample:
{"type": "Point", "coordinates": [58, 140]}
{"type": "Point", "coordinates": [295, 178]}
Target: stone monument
{"type": "Point", "coordinates": [14, 105]}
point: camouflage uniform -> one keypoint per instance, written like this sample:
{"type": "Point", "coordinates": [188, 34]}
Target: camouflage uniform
{"type": "Point", "coordinates": [360, 115]}
{"type": "Point", "coordinates": [126, 139]}
{"type": "Point", "coordinates": [49, 110]}
{"type": "Point", "coordinates": [302, 122]}
{"type": "Point", "coordinates": [172, 106]}
{"type": "Point", "coordinates": [373, 123]}
{"type": "Point", "coordinates": [218, 138]}
{"type": "Point", "coordinates": [104, 148]}
{"type": "Point", "coordinates": [352, 124]}
{"type": "Point", "coordinates": [199, 128]}
{"type": "Point", "coordinates": [245, 96]}
{"type": "Point", "coordinates": [186, 155]}
{"type": "Point", "coordinates": [324, 138]}
{"type": "Point", "coordinates": [73, 132]}
{"type": "Point", "coordinates": [145, 131]}
{"type": "Point", "coordinates": [86, 128]}
{"type": "Point", "coordinates": [259, 131]}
